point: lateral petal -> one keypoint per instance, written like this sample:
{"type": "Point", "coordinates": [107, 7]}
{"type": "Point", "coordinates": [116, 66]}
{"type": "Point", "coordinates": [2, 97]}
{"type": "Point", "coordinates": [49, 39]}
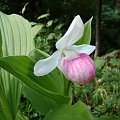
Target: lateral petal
{"type": "Point", "coordinates": [43, 67]}
{"type": "Point", "coordinates": [74, 50]}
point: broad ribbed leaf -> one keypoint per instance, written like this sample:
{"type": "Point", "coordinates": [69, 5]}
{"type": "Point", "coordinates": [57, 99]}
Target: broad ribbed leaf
{"type": "Point", "coordinates": [0, 45]}
{"type": "Point", "coordinates": [49, 86]}
{"type": "Point", "coordinates": [78, 111]}
{"type": "Point", "coordinates": [17, 39]}
{"type": "Point", "coordinates": [86, 38]}
{"type": "Point", "coordinates": [4, 106]}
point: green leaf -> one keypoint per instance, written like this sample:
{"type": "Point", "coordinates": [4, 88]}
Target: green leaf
{"type": "Point", "coordinates": [51, 36]}
{"type": "Point", "coordinates": [78, 111]}
{"type": "Point", "coordinates": [0, 45]}
{"type": "Point", "coordinates": [49, 23]}
{"type": "Point", "coordinates": [37, 54]}
{"type": "Point", "coordinates": [36, 28]}
{"type": "Point", "coordinates": [51, 85]}
{"type": "Point", "coordinates": [24, 8]}
{"type": "Point", "coordinates": [86, 38]}
{"type": "Point", "coordinates": [59, 26]}
{"type": "Point", "coordinates": [16, 34]}
{"type": "Point", "coordinates": [100, 62]}
{"type": "Point", "coordinates": [42, 104]}
{"type": "Point", "coordinates": [4, 106]}
{"type": "Point", "coordinates": [43, 16]}
{"type": "Point", "coordinates": [15, 39]}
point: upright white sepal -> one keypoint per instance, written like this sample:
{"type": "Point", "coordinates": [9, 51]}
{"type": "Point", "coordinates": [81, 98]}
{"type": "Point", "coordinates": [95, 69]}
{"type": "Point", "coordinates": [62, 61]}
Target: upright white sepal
{"type": "Point", "coordinates": [73, 34]}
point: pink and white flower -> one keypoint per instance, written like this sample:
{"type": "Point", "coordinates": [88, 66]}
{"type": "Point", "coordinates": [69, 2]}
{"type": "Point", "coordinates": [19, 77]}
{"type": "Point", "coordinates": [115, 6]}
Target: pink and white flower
{"type": "Point", "coordinates": [74, 61]}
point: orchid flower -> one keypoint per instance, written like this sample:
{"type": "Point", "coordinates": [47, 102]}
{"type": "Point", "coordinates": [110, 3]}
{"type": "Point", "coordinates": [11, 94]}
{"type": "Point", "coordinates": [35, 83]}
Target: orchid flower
{"type": "Point", "coordinates": [72, 60]}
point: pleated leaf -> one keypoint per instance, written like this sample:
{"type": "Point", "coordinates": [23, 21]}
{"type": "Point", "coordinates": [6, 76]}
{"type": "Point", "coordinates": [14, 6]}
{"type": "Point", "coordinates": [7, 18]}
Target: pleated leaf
{"type": "Point", "coordinates": [17, 39]}
{"type": "Point", "coordinates": [0, 45]}
{"type": "Point", "coordinates": [47, 91]}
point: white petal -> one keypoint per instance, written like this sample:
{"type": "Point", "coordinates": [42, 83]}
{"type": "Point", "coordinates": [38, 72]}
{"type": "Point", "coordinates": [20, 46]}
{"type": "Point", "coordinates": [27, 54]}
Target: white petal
{"type": "Point", "coordinates": [74, 50]}
{"type": "Point", "coordinates": [43, 67]}
{"type": "Point", "coordinates": [73, 34]}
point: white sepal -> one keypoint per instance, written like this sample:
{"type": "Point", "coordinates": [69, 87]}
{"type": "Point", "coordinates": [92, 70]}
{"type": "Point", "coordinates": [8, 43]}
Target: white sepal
{"type": "Point", "coordinates": [73, 34]}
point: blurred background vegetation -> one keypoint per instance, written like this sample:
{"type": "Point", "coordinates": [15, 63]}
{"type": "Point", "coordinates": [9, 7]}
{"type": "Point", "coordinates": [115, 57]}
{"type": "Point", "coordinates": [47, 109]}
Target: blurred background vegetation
{"type": "Point", "coordinates": [53, 18]}
{"type": "Point", "coordinates": [57, 15]}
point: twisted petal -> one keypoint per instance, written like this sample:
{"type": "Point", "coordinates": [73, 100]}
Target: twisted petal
{"type": "Point", "coordinates": [73, 34]}
{"type": "Point", "coordinates": [74, 50]}
{"type": "Point", "coordinates": [43, 67]}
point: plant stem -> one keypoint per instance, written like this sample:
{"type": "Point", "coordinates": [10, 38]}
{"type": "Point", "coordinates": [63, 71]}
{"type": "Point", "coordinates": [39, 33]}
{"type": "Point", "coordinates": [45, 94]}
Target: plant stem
{"type": "Point", "coordinates": [68, 87]}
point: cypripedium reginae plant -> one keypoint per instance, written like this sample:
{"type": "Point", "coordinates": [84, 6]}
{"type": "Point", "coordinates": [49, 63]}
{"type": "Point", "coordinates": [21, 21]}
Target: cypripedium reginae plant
{"type": "Point", "coordinates": [74, 61]}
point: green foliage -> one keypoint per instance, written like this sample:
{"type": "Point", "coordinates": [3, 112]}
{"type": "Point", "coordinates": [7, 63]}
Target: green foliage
{"type": "Point", "coordinates": [0, 45]}
{"type": "Point", "coordinates": [2, 116]}
{"type": "Point", "coordinates": [53, 88]}
{"type": "Point", "coordinates": [77, 111]}
{"type": "Point", "coordinates": [110, 27]}
{"type": "Point", "coordinates": [100, 62]}
{"type": "Point", "coordinates": [57, 8]}
{"type": "Point", "coordinates": [101, 96]}
{"type": "Point", "coordinates": [28, 110]}
{"type": "Point", "coordinates": [16, 39]}
{"type": "Point", "coordinates": [45, 87]}
{"type": "Point", "coordinates": [66, 10]}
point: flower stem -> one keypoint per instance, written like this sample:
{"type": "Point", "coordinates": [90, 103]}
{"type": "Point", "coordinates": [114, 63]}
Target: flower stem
{"type": "Point", "coordinates": [68, 87]}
